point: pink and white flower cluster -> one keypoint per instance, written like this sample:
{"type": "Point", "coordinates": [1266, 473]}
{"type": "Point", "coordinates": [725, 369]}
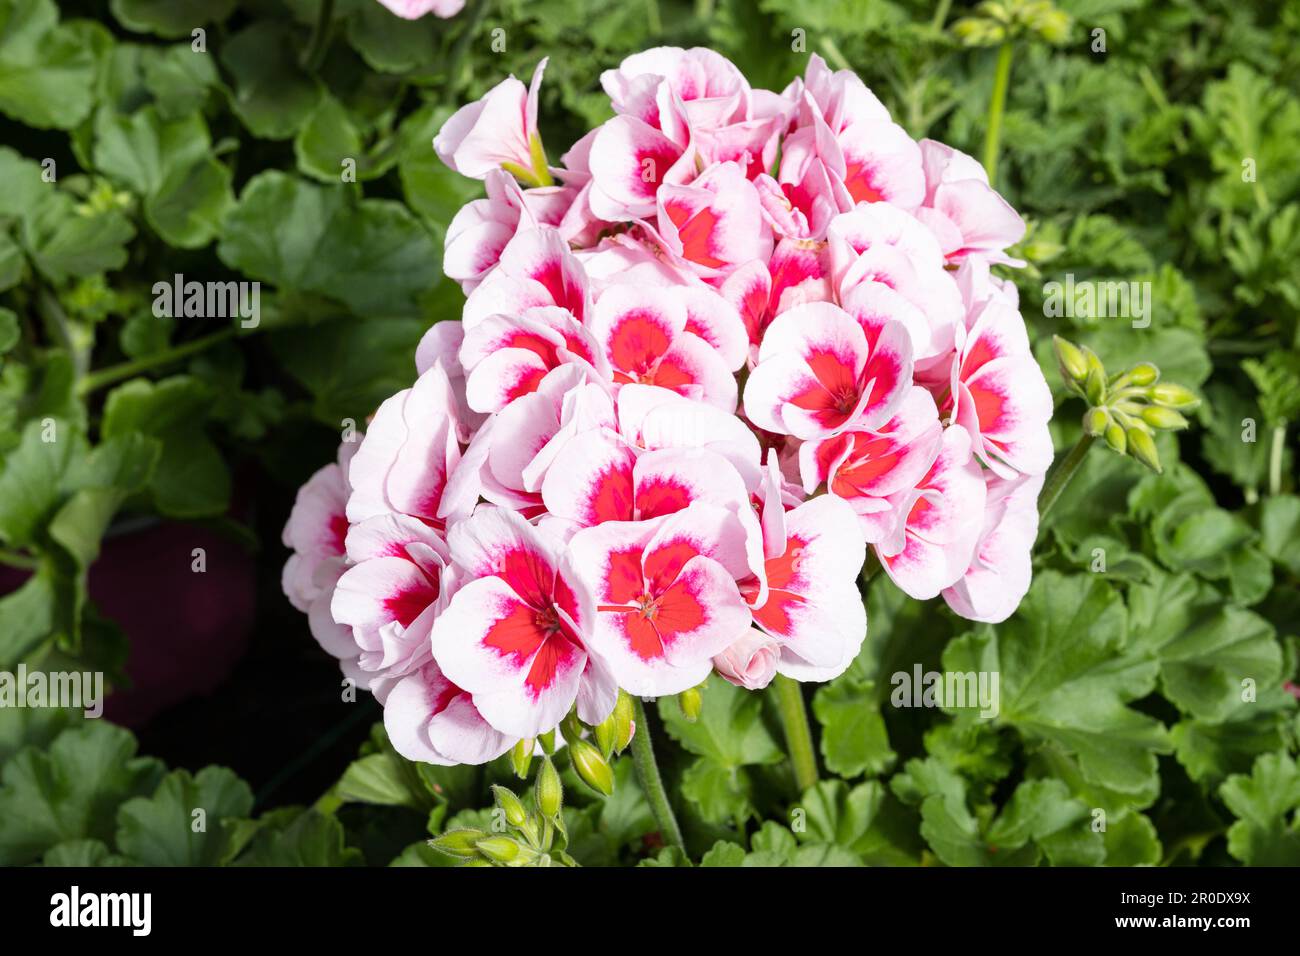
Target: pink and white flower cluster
{"type": "Point", "coordinates": [733, 340]}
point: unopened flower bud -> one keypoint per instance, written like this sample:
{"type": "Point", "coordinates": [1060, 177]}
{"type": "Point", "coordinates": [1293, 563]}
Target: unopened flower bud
{"type": "Point", "coordinates": [459, 843]}
{"type": "Point", "coordinates": [623, 722]}
{"type": "Point", "coordinates": [502, 849]}
{"type": "Point", "coordinates": [1158, 416]}
{"type": "Point", "coordinates": [1115, 437]}
{"type": "Point", "coordinates": [547, 740]}
{"type": "Point", "coordinates": [592, 767]}
{"type": "Point", "coordinates": [1174, 396]}
{"type": "Point", "coordinates": [1095, 421]}
{"type": "Point", "coordinates": [1074, 365]}
{"type": "Point", "coordinates": [606, 735]}
{"type": "Point", "coordinates": [521, 757]}
{"type": "Point", "coordinates": [690, 702]}
{"type": "Point", "coordinates": [1094, 388]}
{"type": "Point", "coordinates": [511, 805]}
{"type": "Point", "coordinates": [571, 727]}
{"type": "Point", "coordinates": [550, 792]}
{"type": "Point", "coordinates": [1143, 374]}
{"type": "Point", "coordinates": [1142, 447]}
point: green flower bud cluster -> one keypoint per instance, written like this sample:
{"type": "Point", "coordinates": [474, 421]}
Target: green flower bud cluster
{"type": "Point", "coordinates": [522, 835]}
{"type": "Point", "coordinates": [1127, 408]}
{"type": "Point", "coordinates": [997, 21]}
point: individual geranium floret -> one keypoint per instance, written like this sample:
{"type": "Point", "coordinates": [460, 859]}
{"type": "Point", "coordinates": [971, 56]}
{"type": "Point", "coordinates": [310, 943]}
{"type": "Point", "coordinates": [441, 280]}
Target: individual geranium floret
{"type": "Point", "coordinates": [797, 273]}
{"type": "Point", "coordinates": [630, 159]}
{"type": "Point", "coordinates": [430, 719]}
{"type": "Point", "coordinates": [516, 634]}
{"type": "Point", "coordinates": [818, 373]}
{"type": "Point", "coordinates": [867, 467]}
{"type": "Point", "coordinates": [507, 356]}
{"type": "Point", "coordinates": [481, 230]}
{"type": "Point", "coordinates": [643, 336]}
{"type": "Point", "coordinates": [807, 596]}
{"type": "Point", "coordinates": [938, 522]}
{"type": "Point", "coordinates": [666, 595]}
{"type": "Point", "coordinates": [510, 455]}
{"type": "Point", "coordinates": [714, 92]}
{"type": "Point", "coordinates": [999, 395]}
{"type": "Point", "coordinates": [650, 417]}
{"type": "Point", "coordinates": [964, 212]}
{"type": "Point", "coordinates": [498, 131]}
{"type": "Point", "coordinates": [1000, 572]}
{"type": "Point", "coordinates": [715, 222]}
{"type": "Point", "coordinates": [392, 593]}
{"type": "Point", "coordinates": [536, 269]}
{"type": "Point", "coordinates": [410, 448]}
{"type": "Point", "coordinates": [317, 532]}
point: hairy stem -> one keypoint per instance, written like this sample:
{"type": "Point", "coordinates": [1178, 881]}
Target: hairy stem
{"type": "Point", "coordinates": [124, 370]}
{"type": "Point", "coordinates": [997, 103]}
{"type": "Point", "coordinates": [798, 736]}
{"type": "Point", "coordinates": [652, 785]}
{"type": "Point", "coordinates": [1061, 475]}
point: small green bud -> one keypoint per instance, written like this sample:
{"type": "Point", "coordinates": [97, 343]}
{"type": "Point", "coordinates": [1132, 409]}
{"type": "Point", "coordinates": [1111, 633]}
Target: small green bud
{"type": "Point", "coordinates": [1143, 374]}
{"type": "Point", "coordinates": [1095, 421]}
{"type": "Point", "coordinates": [1158, 416]}
{"type": "Point", "coordinates": [459, 843]}
{"type": "Point", "coordinates": [1143, 448]}
{"type": "Point", "coordinates": [501, 849]}
{"type": "Point", "coordinates": [606, 734]}
{"type": "Point", "coordinates": [547, 740]}
{"type": "Point", "coordinates": [1094, 387]}
{"type": "Point", "coordinates": [592, 767]}
{"type": "Point", "coordinates": [521, 757]}
{"type": "Point", "coordinates": [511, 805]}
{"type": "Point", "coordinates": [1074, 365]}
{"type": "Point", "coordinates": [571, 727]}
{"type": "Point", "coordinates": [1115, 437]}
{"type": "Point", "coordinates": [690, 702]}
{"type": "Point", "coordinates": [624, 725]}
{"type": "Point", "coordinates": [550, 792]}
{"type": "Point", "coordinates": [1174, 396]}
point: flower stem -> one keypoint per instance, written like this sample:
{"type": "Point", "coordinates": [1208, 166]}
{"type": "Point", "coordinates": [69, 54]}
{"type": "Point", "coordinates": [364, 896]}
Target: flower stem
{"type": "Point", "coordinates": [798, 738]}
{"type": "Point", "coordinates": [1001, 80]}
{"type": "Point", "coordinates": [1275, 458]}
{"type": "Point", "coordinates": [16, 559]}
{"type": "Point", "coordinates": [123, 370]}
{"type": "Point", "coordinates": [652, 785]}
{"type": "Point", "coordinates": [320, 37]}
{"type": "Point", "coordinates": [1061, 475]}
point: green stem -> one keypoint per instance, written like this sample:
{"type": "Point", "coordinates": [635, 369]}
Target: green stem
{"type": "Point", "coordinates": [835, 54]}
{"type": "Point", "coordinates": [652, 785]}
{"type": "Point", "coordinates": [1061, 475]}
{"type": "Point", "coordinates": [320, 37]}
{"type": "Point", "coordinates": [997, 103]}
{"type": "Point", "coordinates": [1275, 458]}
{"type": "Point", "coordinates": [124, 370]}
{"type": "Point", "coordinates": [798, 737]}
{"type": "Point", "coordinates": [941, 14]}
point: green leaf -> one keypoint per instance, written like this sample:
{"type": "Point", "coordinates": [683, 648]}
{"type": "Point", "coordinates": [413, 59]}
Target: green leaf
{"type": "Point", "coordinates": [1207, 649]}
{"type": "Point", "coordinates": [1279, 524]}
{"type": "Point", "coordinates": [179, 78]}
{"type": "Point", "coordinates": [27, 618]}
{"type": "Point", "coordinates": [391, 44]}
{"type": "Point", "coordinates": [1267, 831]}
{"type": "Point", "coordinates": [188, 207]}
{"type": "Point", "coordinates": [31, 485]}
{"type": "Point", "coordinates": [167, 829]}
{"type": "Point", "coordinates": [273, 94]}
{"type": "Point", "coordinates": [853, 740]}
{"type": "Point", "coordinates": [191, 479]}
{"type": "Point", "coordinates": [300, 838]}
{"type": "Point", "coordinates": [10, 333]}
{"type": "Point", "coordinates": [372, 255]}
{"type": "Point", "coordinates": [47, 70]}
{"type": "Point", "coordinates": [1065, 678]}
{"type": "Point", "coordinates": [1131, 840]}
{"type": "Point", "coordinates": [865, 820]}
{"type": "Point", "coordinates": [170, 18]}
{"type": "Point", "coordinates": [381, 779]}
{"type": "Point", "coordinates": [81, 854]}
{"type": "Point", "coordinates": [71, 791]}
{"type": "Point", "coordinates": [330, 145]}
{"type": "Point", "coordinates": [140, 150]}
